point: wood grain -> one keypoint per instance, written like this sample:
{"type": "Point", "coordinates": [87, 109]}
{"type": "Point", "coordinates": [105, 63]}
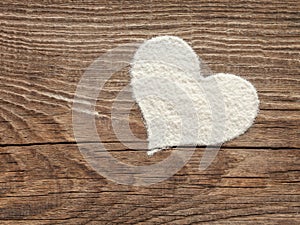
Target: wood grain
{"type": "Point", "coordinates": [45, 47]}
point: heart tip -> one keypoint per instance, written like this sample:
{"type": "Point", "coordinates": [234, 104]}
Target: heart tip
{"type": "Point", "coordinates": [153, 151]}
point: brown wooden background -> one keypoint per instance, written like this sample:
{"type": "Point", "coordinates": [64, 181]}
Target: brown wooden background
{"type": "Point", "coordinates": [45, 47]}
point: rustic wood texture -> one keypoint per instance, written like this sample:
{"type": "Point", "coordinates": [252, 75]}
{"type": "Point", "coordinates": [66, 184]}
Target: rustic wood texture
{"type": "Point", "coordinates": [45, 47]}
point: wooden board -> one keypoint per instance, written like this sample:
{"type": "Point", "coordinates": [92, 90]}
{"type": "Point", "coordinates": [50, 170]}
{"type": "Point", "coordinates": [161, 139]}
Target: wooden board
{"type": "Point", "coordinates": [45, 47]}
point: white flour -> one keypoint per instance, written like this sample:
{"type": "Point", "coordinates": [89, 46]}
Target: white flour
{"type": "Point", "coordinates": [179, 105]}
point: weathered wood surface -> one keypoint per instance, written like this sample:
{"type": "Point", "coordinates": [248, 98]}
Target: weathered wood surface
{"type": "Point", "coordinates": [45, 48]}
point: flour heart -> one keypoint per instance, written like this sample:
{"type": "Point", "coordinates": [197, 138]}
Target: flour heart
{"type": "Point", "coordinates": [166, 79]}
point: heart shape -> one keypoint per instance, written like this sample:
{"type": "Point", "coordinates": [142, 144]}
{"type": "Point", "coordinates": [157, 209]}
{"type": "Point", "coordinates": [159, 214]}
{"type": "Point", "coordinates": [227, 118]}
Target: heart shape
{"type": "Point", "coordinates": [167, 82]}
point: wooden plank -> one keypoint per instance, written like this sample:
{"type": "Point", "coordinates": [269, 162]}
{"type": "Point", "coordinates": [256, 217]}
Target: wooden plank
{"type": "Point", "coordinates": [54, 184]}
{"type": "Point", "coordinates": [43, 59]}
